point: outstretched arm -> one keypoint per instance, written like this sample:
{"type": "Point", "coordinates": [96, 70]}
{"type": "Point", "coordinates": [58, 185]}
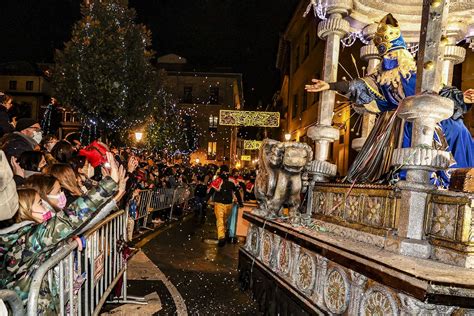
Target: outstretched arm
{"type": "Point", "coordinates": [363, 92]}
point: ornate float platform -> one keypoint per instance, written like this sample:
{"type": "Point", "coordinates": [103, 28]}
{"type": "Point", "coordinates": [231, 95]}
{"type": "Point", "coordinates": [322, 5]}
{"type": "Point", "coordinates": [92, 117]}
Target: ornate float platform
{"type": "Point", "coordinates": [347, 260]}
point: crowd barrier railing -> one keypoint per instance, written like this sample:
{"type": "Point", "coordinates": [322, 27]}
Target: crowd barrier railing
{"type": "Point", "coordinates": [80, 282]}
{"type": "Point", "coordinates": [13, 301]}
{"type": "Point", "coordinates": [161, 199]}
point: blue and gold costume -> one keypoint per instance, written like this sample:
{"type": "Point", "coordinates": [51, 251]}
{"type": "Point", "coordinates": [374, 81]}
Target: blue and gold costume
{"type": "Point", "coordinates": [380, 93]}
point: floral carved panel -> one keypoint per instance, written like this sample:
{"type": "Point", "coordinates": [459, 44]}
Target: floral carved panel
{"type": "Point", "coordinates": [305, 272]}
{"type": "Point", "coordinates": [378, 301]}
{"type": "Point", "coordinates": [374, 211]}
{"type": "Point", "coordinates": [443, 223]}
{"type": "Point", "coordinates": [320, 203]}
{"type": "Point", "coordinates": [337, 291]}
{"type": "Point", "coordinates": [353, 209]}
{"type": "Point", "coordinates": [284, 257]}
{"type": "Point", "coordinates": [267, 245]}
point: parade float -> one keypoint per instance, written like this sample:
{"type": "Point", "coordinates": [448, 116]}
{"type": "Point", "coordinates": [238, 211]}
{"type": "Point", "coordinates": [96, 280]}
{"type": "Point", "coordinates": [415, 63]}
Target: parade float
{"type": "Point", "coordinates": [367, 248]}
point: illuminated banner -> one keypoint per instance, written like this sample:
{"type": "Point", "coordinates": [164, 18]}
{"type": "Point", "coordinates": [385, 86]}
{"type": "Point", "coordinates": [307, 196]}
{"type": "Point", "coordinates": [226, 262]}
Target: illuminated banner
{"type": "Point", "coordinates": [252, 144]}
{"type": "Point", "coordinates": [245, 158]}
{"type": "Point", "coordinates": [249, 118]}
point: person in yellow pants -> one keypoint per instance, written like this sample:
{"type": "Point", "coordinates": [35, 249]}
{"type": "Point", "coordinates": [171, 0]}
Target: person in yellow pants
{"type": "Point", "coordinates": [223, 191]}
{"type": "Point", "coordinates": [222, 212]}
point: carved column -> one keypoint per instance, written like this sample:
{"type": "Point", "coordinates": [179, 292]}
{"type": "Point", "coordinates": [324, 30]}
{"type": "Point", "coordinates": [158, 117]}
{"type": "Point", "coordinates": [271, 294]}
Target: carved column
{"type": "Point", "coordinates": [453, 54]}
{"type": "Point", "coordinates": [331, 30]}
{"type": "Point", "coordinates": [370, 54]}
{"type": "Point", "coordinates": [424, 110]}
{"type": "Point", "coordinates": [358, 282]}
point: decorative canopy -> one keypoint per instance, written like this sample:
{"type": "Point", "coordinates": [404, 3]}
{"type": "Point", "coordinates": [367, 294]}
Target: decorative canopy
{"type": "Point", "coordinates": [408, 12]}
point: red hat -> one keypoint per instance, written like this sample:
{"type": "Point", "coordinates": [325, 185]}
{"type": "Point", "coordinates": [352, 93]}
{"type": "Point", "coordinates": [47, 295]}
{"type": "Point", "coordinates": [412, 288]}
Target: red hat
{"type": "Point", "coordinates": [94, 153]}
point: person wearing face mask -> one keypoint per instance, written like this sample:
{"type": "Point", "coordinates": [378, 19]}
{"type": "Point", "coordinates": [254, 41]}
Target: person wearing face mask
{"type": "Point", "coordinates": [37, 231]}
{"type": "Point", "coordinates": [27, 136]}
{"type": "Point", "coordinates": [84, 172]}
{"type": "Point", "coordinates": [381, 92]}
{"type": "Point", "coordinates": [67, 179]}
{"type": "Point", "coordinates": [49, 188]}
{"type": "Point", "coordinates": [32, 162]}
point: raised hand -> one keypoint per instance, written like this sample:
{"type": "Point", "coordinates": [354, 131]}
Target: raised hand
{"type": "Point", "coordinates": [317, 86]}
{"type": "Point", "coordinates": [114, 168]}
{"type": "Point", "coordinates": [122, 184]}
{"type": "Point", "coordinates": [469, 96]}
{"type": "Point", "coordinates": [17, 170]}
{"type": "Point", "coordinates": [132, 164]}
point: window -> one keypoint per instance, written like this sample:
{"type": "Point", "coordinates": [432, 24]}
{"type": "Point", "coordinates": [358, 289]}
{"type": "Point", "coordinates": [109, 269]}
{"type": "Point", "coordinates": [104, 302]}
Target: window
{"type": "Point", "coordinates": [305, 100]}
{"type": "Point", "coordinates": [306, 46]}
{"type": "Point", "coordinates": [29, 85]}
{"type": "Point", "coordinates": [12, 85]}
{"type": "Point", "coordinates": [297, 58]}
{"type": "Point", "coordinates": [188, 95]}
{"type": "Point", "coordinates": [214, 95]}
{"type": "Point", "coordinates": [294, 110]}
{"type": "Point", "coordinates": [211, 150]}
{"type": "Point", "coordinates": [213, 121]}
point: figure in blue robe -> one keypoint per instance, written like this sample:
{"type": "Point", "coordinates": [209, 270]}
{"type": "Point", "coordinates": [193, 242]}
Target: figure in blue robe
{"type": "Point", "coordinates": [381, 93]}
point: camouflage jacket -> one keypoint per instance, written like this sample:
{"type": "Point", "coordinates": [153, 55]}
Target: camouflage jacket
{"type": "Point", "coordinates": [25, 246]}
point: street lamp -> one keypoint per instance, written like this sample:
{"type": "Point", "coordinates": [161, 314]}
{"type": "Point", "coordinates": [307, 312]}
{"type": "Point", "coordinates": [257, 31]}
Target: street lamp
{"type": "Point", "coordinates": [287, 137]}
{"type": "Point", "coordinates": [138, 136]}
{"type": "Point", "coordinates": [197, 160]}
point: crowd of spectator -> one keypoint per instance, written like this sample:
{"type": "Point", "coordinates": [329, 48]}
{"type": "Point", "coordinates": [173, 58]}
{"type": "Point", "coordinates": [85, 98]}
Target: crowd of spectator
{"type": "Point", "coordinates": [51, 188]}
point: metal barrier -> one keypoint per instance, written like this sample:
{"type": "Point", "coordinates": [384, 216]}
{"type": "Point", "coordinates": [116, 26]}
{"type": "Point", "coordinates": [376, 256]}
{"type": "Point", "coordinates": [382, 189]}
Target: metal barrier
{"type": "Point", "coordinates": [161, 199]}
{"type": "Point", "coordinates": [80, 282]}
{"type": "Point", "coordinates": [13, 300]}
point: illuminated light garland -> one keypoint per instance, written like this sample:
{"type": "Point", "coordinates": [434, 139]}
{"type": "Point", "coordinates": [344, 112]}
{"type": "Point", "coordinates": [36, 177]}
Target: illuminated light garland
{"type": "Point", "coordinates": [249, 118]}
{"type": "Point", "coordinates": [252, 144]}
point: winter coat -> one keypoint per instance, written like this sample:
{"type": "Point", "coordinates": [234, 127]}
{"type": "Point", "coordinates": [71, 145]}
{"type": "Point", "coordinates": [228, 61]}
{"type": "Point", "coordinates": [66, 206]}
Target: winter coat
{"type": "Point", "coordinates": [27, 245]}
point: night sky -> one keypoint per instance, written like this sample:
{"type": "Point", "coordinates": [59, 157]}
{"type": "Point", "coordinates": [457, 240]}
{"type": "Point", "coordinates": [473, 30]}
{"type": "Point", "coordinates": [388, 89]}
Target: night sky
{"type": "Point", "coordinates": [240, 34]}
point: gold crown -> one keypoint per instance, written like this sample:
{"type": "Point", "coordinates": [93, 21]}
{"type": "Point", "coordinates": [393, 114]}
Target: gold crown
{"type": "Point", "coordinates": [388, 36]}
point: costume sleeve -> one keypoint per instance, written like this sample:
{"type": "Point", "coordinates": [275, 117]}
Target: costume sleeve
{"type": "Point", "coordinates": [64, 223]}
{"type": "Point", "coordinates": [361, 91]}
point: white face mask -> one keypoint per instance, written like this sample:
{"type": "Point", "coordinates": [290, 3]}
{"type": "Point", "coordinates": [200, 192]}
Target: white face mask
{"type": "Point", "coordinates": [37, 136]}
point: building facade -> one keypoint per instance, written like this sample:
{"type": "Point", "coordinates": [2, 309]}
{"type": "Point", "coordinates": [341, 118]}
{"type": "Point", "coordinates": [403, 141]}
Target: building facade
{"type": "Point", "coordinates": [300, 59]}
{"type": "Point", "coordinates": [202, 94]}
{"type": "Point", "coordinates": [28, 84]}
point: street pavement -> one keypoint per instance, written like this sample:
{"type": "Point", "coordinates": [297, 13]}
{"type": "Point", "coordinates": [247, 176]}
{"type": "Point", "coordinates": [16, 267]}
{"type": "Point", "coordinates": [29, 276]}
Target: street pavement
{"type": "Point", "coordinates": [181, 265]}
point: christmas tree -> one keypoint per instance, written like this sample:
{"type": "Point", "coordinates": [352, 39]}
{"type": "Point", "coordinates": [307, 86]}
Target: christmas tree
{"type": "Point", "coordinates": [104, 71]}
{"type": "Point", "coordinates": [170, 128]}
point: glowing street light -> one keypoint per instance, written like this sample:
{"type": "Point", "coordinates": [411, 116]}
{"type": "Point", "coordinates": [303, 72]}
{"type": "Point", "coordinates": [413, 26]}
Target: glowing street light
{"type": "Point", "coordinates": [197, 160]}
{"type": "Point", "coordinates": [287, 137]}
{"type": "Point", "coordinates": [138, 136]}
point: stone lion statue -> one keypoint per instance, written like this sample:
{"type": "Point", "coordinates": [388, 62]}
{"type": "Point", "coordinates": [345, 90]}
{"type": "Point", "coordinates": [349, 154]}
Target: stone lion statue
{"type": "Point", "coordinates": [279, 177]}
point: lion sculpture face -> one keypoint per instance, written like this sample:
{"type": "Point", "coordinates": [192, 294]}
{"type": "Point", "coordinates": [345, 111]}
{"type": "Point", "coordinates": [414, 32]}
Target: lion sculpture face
{"type": "Point", "coordinates": [295, 159]}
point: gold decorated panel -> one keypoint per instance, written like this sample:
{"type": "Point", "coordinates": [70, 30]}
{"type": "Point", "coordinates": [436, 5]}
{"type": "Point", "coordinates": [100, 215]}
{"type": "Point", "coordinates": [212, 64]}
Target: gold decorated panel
{"type": "Point", "coordinates": [450, 218]}
{"type": "Point", "coordinates": [370, 208]}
